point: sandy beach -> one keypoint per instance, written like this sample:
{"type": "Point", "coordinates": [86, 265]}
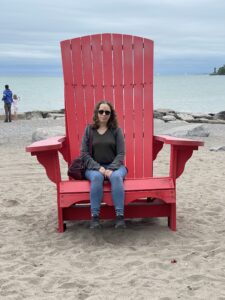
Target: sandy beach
{"type": "Point", "coordinates": [145, 261]}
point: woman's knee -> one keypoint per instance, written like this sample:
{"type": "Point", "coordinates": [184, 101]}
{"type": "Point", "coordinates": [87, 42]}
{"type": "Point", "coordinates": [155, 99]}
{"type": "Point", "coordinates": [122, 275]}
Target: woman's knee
{"type": "Point", "coordinates": [94, 176]}
{"type": "Point", "coordinates": [116, 177]}
{"type": "Point", "coordinates": [97, 177]}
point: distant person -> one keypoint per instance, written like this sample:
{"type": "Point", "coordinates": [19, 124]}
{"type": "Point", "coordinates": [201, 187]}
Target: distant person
{"type": "Point", "coordinates": [16, 99]}
{"type": "Point", "coordinates": [7, 98]}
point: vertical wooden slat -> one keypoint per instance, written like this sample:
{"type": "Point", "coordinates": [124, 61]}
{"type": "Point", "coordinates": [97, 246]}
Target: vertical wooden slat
{"type": "Point", "coordinates": [138, 105]}
{"type": "Point", "coordinates": [118, 77]}
{"type": "Point", "coordinates": [128, 102]}
{"type": "Point", "coordinates": [148, 107]}
{"type": "Point", "coordinates": [70, 109]}
{"type": "Point", "coordinates": [79, 90]}
{"type": "Point", "coordinates": [67, 62]}
{"type": "Point", "coordinates": [107, 66]}
{"type": "Point", "coordinates": [87, 78]}
{"type": "Point", "coordinates": [97, 67]}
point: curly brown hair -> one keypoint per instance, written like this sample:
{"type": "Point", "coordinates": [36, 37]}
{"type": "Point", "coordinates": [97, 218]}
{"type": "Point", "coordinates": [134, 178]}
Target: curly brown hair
{"type": "Point", "coordinates": [112, 123]}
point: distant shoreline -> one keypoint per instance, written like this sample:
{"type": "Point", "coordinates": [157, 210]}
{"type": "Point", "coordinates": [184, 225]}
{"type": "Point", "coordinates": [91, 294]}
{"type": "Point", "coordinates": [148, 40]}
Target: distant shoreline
{"type": "Point", "coordinates": [215, 74]}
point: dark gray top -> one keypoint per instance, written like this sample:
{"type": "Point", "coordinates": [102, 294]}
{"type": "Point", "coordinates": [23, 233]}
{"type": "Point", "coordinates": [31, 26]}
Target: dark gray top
{"type": "Point", "coordinates": [108, 148]}
{"type": "Point", "coordinates": [103, 147]}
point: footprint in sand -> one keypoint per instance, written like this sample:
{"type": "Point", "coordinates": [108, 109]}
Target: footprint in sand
{"type": "Point", "coordinates": [11, 203]}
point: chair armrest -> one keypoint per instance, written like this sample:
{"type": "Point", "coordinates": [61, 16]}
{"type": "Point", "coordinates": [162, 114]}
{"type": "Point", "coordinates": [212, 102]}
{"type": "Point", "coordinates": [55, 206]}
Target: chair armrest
{"type": "Point", "coordinates": [52, 143]}
{"type": "Point", "coordinates": [181, 151]}
{"type": "Point", "coordinates": [167, 139]}
{"type": "Point", "coordinates": [46, 152]}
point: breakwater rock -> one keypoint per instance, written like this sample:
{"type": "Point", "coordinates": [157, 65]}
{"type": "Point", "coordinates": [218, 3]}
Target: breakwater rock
{"type": "Point", "coordinates": [166, 115]}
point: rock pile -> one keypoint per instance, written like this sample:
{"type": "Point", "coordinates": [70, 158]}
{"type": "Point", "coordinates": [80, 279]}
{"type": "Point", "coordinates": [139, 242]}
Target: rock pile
{"type": "Point", "coordinates": [43, 114]}
{"type": "Point", "coordinates": [168, 115]}
{"type": "Point", "coordinates": [189, 131]}
{"type": "Point", "coordinates": [44, 133]}
{"type": "Point", "coordinates": [31, 115]}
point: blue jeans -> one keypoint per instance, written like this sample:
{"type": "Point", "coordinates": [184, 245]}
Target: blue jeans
{"type": "Point", "coordinates": [117, 189]}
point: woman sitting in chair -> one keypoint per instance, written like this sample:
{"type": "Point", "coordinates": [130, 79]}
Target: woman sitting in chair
{"type": "Point", "coordinates": [105, 162]}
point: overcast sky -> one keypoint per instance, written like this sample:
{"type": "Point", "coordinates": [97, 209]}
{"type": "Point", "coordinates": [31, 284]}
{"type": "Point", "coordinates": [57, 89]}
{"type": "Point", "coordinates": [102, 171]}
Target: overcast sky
{"type": "Point", "coordinates": [189, 36]}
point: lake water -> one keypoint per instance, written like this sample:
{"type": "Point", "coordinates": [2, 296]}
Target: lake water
{"type": "Point", "coordinates": [186, 93]}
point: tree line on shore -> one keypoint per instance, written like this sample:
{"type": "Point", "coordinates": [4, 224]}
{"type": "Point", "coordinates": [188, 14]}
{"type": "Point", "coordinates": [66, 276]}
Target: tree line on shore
{"type": "Point", "coordinates": [220, 71]}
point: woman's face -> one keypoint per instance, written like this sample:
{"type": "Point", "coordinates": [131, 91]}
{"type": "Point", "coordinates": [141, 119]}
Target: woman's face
{"type": "Point", "coordinates": [104, 113]}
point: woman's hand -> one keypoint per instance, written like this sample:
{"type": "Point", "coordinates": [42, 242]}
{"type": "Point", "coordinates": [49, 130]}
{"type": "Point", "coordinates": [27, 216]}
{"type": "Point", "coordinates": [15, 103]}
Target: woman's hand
{"type": "Point", "coordinates": [102, 170]}
{"type": "Point", "coordinates": [108, 173]}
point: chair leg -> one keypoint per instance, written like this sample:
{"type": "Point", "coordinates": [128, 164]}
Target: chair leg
{"type": "Point", "coordinates": [172, 218]}
{"type": "Point", "coordinates": [61, 225]}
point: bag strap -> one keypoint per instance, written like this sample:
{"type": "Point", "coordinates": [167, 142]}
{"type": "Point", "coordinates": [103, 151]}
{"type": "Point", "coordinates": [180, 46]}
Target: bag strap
{"type": "Point", "coordinates": [90, 133]}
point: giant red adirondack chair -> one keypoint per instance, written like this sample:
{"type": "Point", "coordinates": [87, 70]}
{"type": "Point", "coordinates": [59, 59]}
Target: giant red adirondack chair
{"type": "Point", "coordinates": [118, 68]}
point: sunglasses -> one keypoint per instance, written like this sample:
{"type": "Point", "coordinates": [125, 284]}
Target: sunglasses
{"type": "Point", "coordinates": [107, 112]}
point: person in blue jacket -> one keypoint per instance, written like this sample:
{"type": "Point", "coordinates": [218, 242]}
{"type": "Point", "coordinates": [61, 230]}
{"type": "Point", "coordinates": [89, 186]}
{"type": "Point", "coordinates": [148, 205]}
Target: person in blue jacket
{"type": "Point", "coordinates": [8, 99]}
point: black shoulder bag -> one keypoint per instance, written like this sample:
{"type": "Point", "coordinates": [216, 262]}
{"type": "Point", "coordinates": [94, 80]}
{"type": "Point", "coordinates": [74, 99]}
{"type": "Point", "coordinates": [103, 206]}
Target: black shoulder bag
{"type": "Point", "coordinates": [77, 168]}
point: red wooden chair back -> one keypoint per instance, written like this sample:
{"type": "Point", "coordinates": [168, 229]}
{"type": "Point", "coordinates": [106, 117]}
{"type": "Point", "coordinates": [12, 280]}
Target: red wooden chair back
{"type": "Point", "coordinates": [118, 68]}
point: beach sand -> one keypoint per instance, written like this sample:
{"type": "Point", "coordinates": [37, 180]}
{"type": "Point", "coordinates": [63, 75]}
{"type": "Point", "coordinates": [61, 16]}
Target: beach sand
{"type": "Point", "coordinates": [145, 261]}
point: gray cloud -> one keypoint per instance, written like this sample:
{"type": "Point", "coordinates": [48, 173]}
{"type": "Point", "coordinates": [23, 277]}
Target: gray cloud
{"type": "Point", "coordinates": [186, 33]}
